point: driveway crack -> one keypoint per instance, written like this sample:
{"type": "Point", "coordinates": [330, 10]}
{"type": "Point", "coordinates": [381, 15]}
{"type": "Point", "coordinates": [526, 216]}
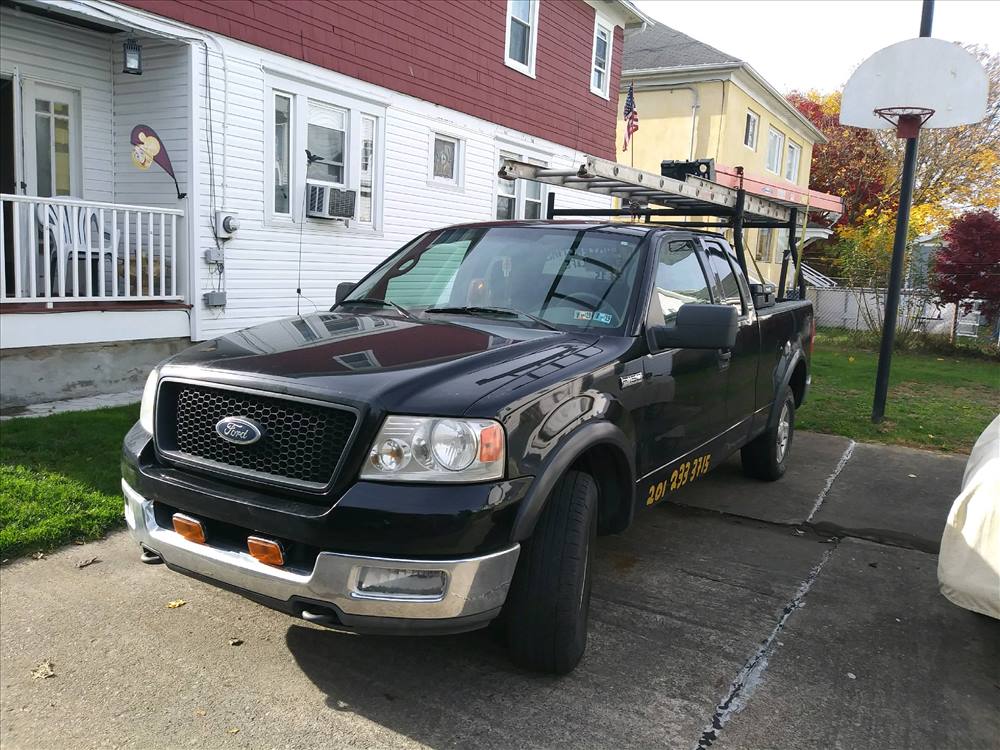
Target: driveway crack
{"type": "Point", "coordinates": [751, 675]}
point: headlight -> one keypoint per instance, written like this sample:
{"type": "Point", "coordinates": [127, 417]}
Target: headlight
{"type": "Point", "coordinates": [148, 397]}
{"type": "Point", "coordinates": [430, 449]}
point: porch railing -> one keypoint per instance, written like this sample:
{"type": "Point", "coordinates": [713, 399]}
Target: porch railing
{"type": "Point", "coordinates": [57, 250]}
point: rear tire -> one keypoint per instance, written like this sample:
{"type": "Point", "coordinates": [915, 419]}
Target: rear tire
{"type": "Point", "coordinates": [766, 456]}
{"type": "Point", "coordinates": [549, 599]}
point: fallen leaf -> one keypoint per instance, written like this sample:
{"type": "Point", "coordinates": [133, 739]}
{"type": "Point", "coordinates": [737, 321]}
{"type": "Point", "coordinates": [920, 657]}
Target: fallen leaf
{"type": "Point", "coordinates": [851, 676]}
{"type": "Point", "coordinates": [200, 712]}
{"type": "Point", "coordinates": [79, 541]}
{"type": "Point", "coordinates": [176, 603]}
{"type": "Point", "coordinates": [233, 730]}
{"type": "Point", "coordinates": [235, 641]}
{"type": "Point", "coordinates": [38, 555]}
{"type": "Point", "coordinates": [929, 435]}
{"type": "Point", "coordinates": [43, 670]}
{"type": "Point", "coordinates": [912, 476]}
{"type": "Point", "coordinates": [86, 561]}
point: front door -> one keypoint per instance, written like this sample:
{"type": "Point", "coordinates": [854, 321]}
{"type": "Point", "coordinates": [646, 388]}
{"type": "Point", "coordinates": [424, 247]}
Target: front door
{"type": "Point", "coordinates": [8, 170]}
{"type": "Point", "coordinates": [51, 127]}
{"type": "Point", "coordinates": [680, 404]}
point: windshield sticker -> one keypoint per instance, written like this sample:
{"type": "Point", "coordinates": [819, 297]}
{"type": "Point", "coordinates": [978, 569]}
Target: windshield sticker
{"type": "Point", "coordinates": [582, 315]}
{"type": "Point", "coordinates": [603, 318]}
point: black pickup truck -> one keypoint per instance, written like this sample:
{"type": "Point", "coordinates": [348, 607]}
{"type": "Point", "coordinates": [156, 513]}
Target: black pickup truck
{"type": "Point", "coordinates": [440, 449]}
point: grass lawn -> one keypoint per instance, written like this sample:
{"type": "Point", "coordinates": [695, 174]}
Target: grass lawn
{"type": "Point", "coordinates": [935, 401]}
{"type": "Point", "coordinates": [60, 478]}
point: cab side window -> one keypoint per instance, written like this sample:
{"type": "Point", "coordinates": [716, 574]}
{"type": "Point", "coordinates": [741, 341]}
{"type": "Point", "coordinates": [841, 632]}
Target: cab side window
{"type": "Point", "coordinates": [680, 280]}
{"type": "Point", "coordinates": [729, 284]}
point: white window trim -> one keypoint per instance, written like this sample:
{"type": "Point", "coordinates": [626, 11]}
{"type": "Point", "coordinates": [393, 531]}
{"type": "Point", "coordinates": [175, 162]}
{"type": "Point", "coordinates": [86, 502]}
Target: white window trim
{"type": "Point", "coordinates": [520, 194]}
{"type": "Point", "coordinates": [780, 150]}
{"type": "Point", "coordinates": [793, 146]}
{"type": "Point", "coordinates": [301, 92]}
{"type": "Point", "coordinates": [756, 130]}
{"type": "Point", "coordinates": [601, 23]}
{"type": "Point", "coordinates": [529, 69]}
{"type": "Point", "coordinates": [433, 180]}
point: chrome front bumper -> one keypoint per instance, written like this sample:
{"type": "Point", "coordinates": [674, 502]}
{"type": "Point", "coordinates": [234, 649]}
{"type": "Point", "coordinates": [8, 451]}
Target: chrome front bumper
{"type": "Point", "coordinates": [476, 587]}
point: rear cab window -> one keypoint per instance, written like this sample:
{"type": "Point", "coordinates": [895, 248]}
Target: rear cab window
{"type": "Point", "coordinates": [727, 280]}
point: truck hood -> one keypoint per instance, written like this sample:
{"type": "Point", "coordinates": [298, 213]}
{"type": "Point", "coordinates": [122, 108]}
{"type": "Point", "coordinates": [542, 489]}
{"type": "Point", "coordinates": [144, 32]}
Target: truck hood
{"type": "Point", "coordinates": [387, 363]}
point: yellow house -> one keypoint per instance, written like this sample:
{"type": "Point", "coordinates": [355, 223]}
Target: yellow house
{"type": "Point", "coordinates": [696, 102]}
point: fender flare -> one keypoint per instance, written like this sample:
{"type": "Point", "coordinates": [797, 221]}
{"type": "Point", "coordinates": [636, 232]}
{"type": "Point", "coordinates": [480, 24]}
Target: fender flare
{"type": "Point", "coordinates": [786, 379]}
{"type": "Point", "coordinates": [560, 459]}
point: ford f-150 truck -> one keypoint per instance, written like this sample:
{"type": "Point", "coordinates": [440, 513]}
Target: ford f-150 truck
{"type": "Point", "coordinates": [440, 449]}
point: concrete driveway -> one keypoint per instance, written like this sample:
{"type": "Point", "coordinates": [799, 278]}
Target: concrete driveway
{"type": "Point", "coordinates": [743, 615]}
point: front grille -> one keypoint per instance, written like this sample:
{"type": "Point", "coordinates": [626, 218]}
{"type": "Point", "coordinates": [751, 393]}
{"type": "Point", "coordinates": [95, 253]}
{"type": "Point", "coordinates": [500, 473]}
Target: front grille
{"type": "Point", "coordinates": [301, 442]}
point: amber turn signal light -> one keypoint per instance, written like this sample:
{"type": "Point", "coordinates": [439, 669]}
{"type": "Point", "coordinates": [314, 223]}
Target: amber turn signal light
{"type": "Point", "coordinates": [266, 551]}
{"type": "Point", "coordinates": [189, 528]}
{"type": "Point", "coordinates": [491, 443]}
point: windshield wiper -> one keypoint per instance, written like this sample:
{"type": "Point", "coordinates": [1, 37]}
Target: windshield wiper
{"type": "Point", "coordinates": [375, 301]}
{"type": "Point", "coordinates": [477, 310]}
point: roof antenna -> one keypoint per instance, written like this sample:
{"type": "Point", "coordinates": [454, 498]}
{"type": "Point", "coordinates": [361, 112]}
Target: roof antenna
{"type": "Point", "coordinates": [311, 158]}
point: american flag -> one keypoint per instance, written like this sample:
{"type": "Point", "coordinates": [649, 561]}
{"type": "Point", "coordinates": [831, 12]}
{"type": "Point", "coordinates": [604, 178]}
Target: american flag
{"type": "Point", "coordinates": [631, 115]}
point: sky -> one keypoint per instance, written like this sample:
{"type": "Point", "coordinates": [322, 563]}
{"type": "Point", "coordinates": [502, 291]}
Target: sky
{"type": "Point", "coordinates": [815, 44]}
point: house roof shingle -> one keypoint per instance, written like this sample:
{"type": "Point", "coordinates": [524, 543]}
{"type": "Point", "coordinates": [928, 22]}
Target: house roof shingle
{"type": "Point", "coordinates": [659, 46]}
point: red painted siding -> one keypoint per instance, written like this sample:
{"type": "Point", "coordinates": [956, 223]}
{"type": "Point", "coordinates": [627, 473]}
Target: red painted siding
{"type": "Point", "coordinates": [449, 52]}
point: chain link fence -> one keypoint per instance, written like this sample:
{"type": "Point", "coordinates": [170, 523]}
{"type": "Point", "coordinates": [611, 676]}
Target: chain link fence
{"type": "Point", "coordinates": [855, 308]}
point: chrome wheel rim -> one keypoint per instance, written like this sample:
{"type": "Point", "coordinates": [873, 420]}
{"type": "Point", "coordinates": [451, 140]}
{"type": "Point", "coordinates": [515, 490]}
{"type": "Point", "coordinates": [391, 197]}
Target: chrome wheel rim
{"type": "Point", "coordinates": [784, 432]}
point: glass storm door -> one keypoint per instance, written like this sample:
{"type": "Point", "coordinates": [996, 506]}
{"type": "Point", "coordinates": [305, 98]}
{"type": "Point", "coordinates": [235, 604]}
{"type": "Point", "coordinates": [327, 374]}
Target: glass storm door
{"type": "Point", "coordinates": [51, 140]}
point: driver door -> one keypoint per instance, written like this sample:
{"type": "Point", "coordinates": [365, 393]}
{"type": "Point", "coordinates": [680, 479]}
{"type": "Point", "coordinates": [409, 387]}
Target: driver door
{"type": "Point", "coordinates": [681, 406]}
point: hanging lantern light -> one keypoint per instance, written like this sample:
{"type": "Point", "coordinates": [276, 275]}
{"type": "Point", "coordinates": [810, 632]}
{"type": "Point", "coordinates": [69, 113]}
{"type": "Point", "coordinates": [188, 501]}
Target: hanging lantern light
{"type": "Point", "coordinates": [132, 55]}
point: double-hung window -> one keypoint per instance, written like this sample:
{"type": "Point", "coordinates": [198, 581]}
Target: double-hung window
{"type": "Point", "coordinates": [326, 141]}
{"type": "Point", "coordinates": [519, 199]}
{"type": "Point", "coordinates": [792, 161]}
{"type": "Point", "coordinates": [775, 145]}
{"type": "Point", "coordinates": [343, 137]}
{"type": "Point", "coordinates": [750, 130]}
{"type": "Point", "coordinates": [764, 246]}
{"type": "Point", "coordinates": [522, 35]}
{"type": "Point", "coordinates": [600, 72]}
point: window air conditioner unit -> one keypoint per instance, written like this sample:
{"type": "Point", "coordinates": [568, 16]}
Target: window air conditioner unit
{"type": "Point", "coordinates": [325, 202]}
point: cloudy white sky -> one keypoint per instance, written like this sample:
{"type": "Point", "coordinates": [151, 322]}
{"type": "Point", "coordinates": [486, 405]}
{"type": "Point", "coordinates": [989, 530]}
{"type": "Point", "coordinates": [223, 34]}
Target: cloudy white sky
{"type": "Point", "coordinates": [807, 44]}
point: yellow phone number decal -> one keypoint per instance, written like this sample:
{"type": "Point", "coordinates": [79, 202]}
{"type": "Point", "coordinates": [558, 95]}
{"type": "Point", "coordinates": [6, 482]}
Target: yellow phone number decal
{"type": "Point", "coordinates": [686, 472]}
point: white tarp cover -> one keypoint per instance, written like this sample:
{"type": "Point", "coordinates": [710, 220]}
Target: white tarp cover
{"type": "Point", "coordinates": [969, 563]}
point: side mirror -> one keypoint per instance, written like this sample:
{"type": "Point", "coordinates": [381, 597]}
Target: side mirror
{"type": "Point", "coordinates": [699, 327]}
{"type": "Point", "coordinates": [343, 289]}
{"type": "Point", "coordinates": [763, 295]}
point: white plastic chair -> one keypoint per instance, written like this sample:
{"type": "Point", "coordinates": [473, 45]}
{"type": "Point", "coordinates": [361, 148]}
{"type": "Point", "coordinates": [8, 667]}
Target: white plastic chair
{"type": "Point", "coordinates": [69, 247]}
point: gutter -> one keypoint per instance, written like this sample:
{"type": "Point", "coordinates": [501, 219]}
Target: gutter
{"type": "Point", "coordinates": [683, 71]}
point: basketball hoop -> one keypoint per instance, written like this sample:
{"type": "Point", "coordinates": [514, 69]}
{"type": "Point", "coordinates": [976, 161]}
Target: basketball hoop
{"type": "Point", "coordinates": [908, 120]}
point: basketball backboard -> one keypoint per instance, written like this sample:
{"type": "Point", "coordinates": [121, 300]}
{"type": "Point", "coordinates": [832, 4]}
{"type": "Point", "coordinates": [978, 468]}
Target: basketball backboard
{"type": "Point", "coordinates": [919, 74]}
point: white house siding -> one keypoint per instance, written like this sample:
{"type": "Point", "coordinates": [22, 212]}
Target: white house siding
{"type": "Point", "coordinates": [45, 51]}
{"type": "Point", "coordinates": [158, 98]}
{"type": "Point", "coordinates": [261, 262]}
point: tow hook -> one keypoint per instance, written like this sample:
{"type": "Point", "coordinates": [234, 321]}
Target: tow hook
{"type": "Point", "coordinates": [150, 558]}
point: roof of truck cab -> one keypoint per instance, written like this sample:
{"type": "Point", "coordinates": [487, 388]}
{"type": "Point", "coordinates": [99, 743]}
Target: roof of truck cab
{"type": "Point", "coordinates": [636, 230]}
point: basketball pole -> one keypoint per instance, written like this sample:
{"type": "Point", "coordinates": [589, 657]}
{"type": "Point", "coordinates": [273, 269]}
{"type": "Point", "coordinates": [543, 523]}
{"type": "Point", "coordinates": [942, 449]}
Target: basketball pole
{"type": "Point", "coordinates": [898, 252]}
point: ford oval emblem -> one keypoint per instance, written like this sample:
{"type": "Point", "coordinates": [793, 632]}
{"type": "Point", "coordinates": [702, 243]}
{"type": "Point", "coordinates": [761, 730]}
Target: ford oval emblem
{"type": "Point", "coordinates": [239, 430]}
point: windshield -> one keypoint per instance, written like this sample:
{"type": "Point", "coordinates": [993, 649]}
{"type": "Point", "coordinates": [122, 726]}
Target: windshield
{"type": "Point", "coordinates": [571, 278]}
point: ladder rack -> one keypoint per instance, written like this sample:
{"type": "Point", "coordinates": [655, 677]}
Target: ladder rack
{"type": "Point", "coordinates": [648, 195]}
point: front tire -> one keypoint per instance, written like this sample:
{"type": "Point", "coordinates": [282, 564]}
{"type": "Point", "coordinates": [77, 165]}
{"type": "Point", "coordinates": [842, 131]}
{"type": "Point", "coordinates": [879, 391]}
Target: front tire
{"type": "Point", "coordinates": [549, 599]}
{"type": "Point", "coordinates": [766, 456]}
